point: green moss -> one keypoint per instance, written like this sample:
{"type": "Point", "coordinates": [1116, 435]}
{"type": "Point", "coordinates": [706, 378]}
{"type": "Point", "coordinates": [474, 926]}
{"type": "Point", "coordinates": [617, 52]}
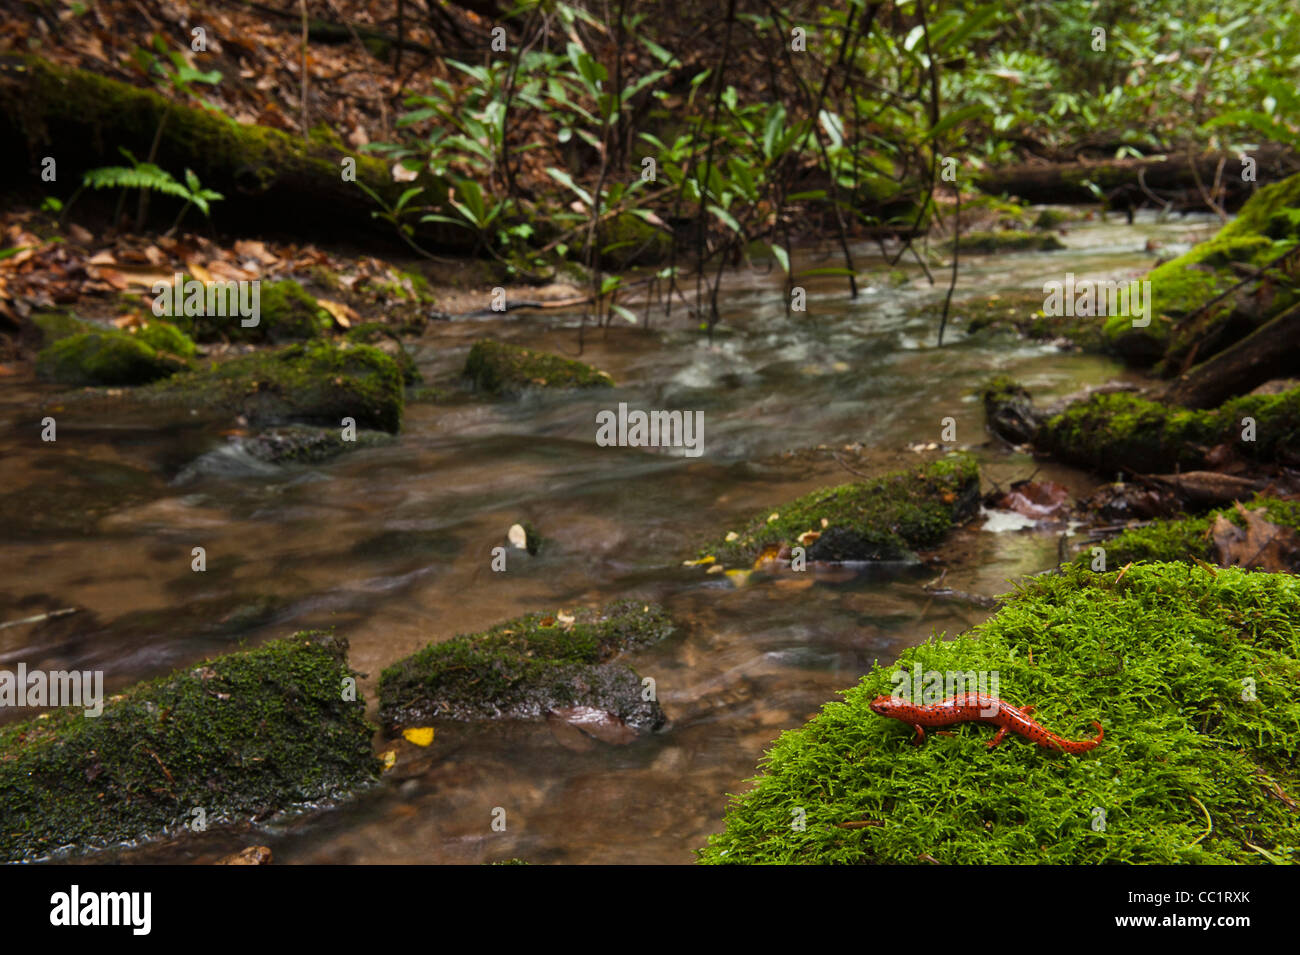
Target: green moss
{"type": "Point", "coordinates": [1112, 431]}
{"type": "Point", "coordinates": [881, 519]}
{"type": "Point", "coordinates": [286, 313]}
{"type": "Point", "coordinates": [53, 326]}
{"type": "Point", "coordinates": [390, 343]}
{"type": "Point", "coordinates": [1009, 240]}
{"type": "Point", "coordinates": [1187, 538]}
{"type": "Point", "coordinates": [499, 369]}
{"type": "Point", "coordinates": [1023, 312]}
{"type": "Point", "coordinates": [104, 358]}
{"type": "Point", "coordinates": [524, 668]}
{"type": "Point", "coordinates": [1159, 659]}
{"type": "Point", "coordinates": [167, 338]}
{"type": "Point", "coordinates": [628, 240]}
{"type": "Point", "coordinates": [1183, 285]}
{"type": "Point", "coordinates": [315, 383]}
{"type": "Point", "coordinates": [240, 736]}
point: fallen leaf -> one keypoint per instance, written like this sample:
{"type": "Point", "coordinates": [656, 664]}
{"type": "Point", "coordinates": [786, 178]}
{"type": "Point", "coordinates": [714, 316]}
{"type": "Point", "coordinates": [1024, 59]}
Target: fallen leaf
{"type": "Point", "coordinates": [340, 312]}
{"type": "Point", "coordinates": [388, 759]}
{"type": "Point", "coordinates": [419, 735]}
{"type": "Point", "coordinates": [1260, 545]}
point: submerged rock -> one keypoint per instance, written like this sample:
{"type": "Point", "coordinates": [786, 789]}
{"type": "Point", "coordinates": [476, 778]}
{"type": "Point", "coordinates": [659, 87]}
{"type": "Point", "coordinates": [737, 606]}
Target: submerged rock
{"type": "Point", "coordinates": [530, 667]}
{"type": "Point", "coordinates": [243, 735]}
{"type": "Point", "coordinates": [498, 368]}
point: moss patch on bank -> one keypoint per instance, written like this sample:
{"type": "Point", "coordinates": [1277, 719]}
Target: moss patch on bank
{"type": "Point", "coordinates": [240, 736]}
{"type": "Point", "coordinates": [1111, 431]}
{"type": "Point", "coordinates": [499, 368]}
{"type": "Point", "coordinates": [881, 519]}
{"type": "Point", "coordinates": [524, 668]}
{"type": "Point", "coordinates": [313, 383]}
{"type": "Point", "coordinates": [1186, 538]}
{"type": "Point", "coordinates": [1188, 772]}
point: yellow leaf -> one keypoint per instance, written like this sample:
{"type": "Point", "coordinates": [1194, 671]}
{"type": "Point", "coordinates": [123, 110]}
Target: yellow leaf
{"type": "Point", "coordinates": [738, 578]}
{"type": "Point", "coordinates": [774, 516]}
{"type": "Point", "coordinates": [389, 759]}
{"type": "Point", "coordinates": [198, 271]}
{"type": "Point", "coordinates": [419, 735]}
{"type": "Point", "coordinates": [340, 312]}
{"type": "Point", "coordinates": [731, 536]}
{"type": "Point", "coordinates": [696, 563]}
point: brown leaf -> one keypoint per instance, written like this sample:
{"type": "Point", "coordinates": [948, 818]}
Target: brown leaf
{"type": "Point", "coordinates": [1037, 499]}
{"type": "Point", "coordinates": [1260, 545]}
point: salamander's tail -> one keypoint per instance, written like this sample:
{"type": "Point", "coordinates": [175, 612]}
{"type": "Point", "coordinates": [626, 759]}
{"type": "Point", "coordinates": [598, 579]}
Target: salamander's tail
{"type": "Point", "coordinates": [1087, 744]}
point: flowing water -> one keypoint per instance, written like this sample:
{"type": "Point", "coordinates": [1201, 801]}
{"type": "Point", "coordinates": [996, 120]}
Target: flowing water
{"type": "Point", "coordinates": [392, 546]}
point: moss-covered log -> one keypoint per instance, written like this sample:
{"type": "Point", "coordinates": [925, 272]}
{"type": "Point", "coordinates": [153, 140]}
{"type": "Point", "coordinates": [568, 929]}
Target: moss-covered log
{"type": "Point", "coordinates": [527, 667]}
{"type": "Point", "coordinates": [1191, 770]}
{"type": "Point", "coordinates": [1182, 329]}
{"type": "Point", "coordinates": [238, 737]}
{"type": "Point", "coordinates": [885, 518]}
{"type": "Point", "coordinates": [498, 368]}
{"type": "Point", "coordinates": [1110, 432]}
{"type": "Point", "coordinates": [267, 177]}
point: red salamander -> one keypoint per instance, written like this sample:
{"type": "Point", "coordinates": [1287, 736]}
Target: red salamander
{"type": "Point", "coordinates": [977, 707]}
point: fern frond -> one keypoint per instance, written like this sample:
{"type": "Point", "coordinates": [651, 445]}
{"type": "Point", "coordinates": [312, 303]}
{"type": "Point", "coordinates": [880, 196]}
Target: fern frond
{"type": "Point", "coordinates": [143, 176]}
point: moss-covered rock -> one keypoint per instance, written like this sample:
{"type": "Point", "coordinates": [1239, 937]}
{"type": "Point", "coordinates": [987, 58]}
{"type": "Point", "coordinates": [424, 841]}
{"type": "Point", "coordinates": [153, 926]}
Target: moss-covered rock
{"type": "Point", "coordinates": [628, 240]}
{"type": "Point", "coordinates": [52, 326]}
{"type": "Point", "coordinates": [240, 736]}
{"type": "Point", "coordinates": [881, 519]}
{"type": "Point", "coordinates": [1187, 538]}
{"type": "Point", "coordinates": [106, 357]}
{"type": "Point", "coordinates": [286, 313]}
{"type": "Point", "coordinates": [1022, 312]}
{"type": "Point", "coordinates": [312, 383]}
{"type": "Point", "coordinates": [302, 444]}
{"type": "Point", "coordinates": [1191, 770]}
{"type": "Point", "coordinates": [498, 368]}
{"type": "Point", "coordinates": [527, 667]}
{"type": "Point", "coordinates": [1008, 240]}
{"type": "Point", "coordinates": [1108, 432]}
{"type": "Point", "coordinates": [389, 342]}
{"type": "Point", "coordinates": [166, 338]}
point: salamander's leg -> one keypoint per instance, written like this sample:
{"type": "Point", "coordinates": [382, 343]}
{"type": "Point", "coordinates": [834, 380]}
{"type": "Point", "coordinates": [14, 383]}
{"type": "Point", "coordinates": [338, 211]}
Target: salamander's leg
{"type": "Point", "coordinates": [1028, 709]}
{"type": "Point", "coordinates": [1002, 731]}
{"type": "Point", "coordinates": [920, 735]}
{"type": "Point", "coordinates": [942, 733]}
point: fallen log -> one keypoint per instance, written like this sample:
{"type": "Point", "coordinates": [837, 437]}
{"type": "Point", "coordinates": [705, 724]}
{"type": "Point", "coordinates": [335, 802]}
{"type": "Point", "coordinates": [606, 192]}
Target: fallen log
{"type": "Point", "coordinates": [1066, 182]}
{"type": "Point", "coordinates": [1271, 351]}
{"type": "Point", "coordinates": [268, 178]}
{"type": "Point", "coordinates": [1208, 487]}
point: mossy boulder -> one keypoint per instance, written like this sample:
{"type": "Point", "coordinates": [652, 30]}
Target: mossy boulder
{"type": "Point", "coordinates": [238, 737]}
{"type": "Point", "coordinates": [105, 357]}
{"type": "Point", "coordinates": [166, 338]}
{"type": "Point", "coordinates": [389, 342]}
{"type": "Point", "coordinates": [1187, 538]}
{"type": "Point", "coordinates": [1007, 240]}
{"type": "Point", "coordinates": [498, 368]}
{"type": "Point", "coordinates": [52, 326]}
{"type": "Point", "coordinates": [1108, 432]}
{"type": "Point", "coordinates": [1191, 769]}
{"type": "Point", "coordinates": [527, 667]}
{"type": "Point", "coordinates": [286, 313]}
{"type": "Point", "coordinates": [313, 383]}
{"type": "Point", "coordinates": [885, 518]}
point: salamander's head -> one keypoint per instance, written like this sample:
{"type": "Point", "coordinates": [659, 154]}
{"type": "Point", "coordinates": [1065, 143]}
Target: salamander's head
{"type": "Point", "coordinates": [887, 705]}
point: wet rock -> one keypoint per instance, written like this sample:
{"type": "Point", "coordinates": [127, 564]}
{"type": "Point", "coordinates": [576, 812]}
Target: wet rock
{"type": "Point", "coordinates": [312, 383]}
{"type": "Point", "coordinates": [1010, 411]}
{"type": "Point", "coordinates": [388, 341]}
{"type": "Point", "coordinates": [105, 358]}
{"type": "Point", "coordinates": [498, 368]}
{"type": "Point", "coordinates": [1121, 502]}
{"type": "Point", "coordinates": [243, 735]}
{"type": "Point", "coordinates": [253, 855]}
{"type": "Point", "coordinates": [530, 667]}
